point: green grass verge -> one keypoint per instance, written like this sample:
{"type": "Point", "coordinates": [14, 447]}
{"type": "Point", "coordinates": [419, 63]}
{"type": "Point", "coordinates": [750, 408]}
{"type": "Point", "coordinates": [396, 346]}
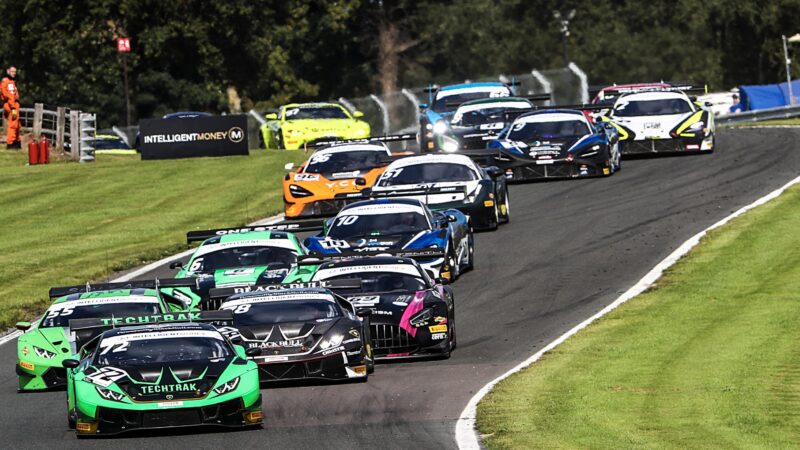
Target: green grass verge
{"type": "Point", "coordinates": [709, 358]}
{"type": "Point", "coordinates": [67, 223]}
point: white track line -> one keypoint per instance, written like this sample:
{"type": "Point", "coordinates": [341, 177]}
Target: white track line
{"type": "Point", "coordinates": [154, 265]}
{"type": "Point", "coordinates": [467, 435]}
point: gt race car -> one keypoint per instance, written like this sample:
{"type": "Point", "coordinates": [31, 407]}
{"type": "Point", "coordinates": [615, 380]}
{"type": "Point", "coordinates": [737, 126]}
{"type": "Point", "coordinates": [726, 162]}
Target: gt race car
{"type": "Point", "coordinates": [298, 124]}
{"type": "Point", "coordinates": [555, 143]}
{"type": "Point", "coordinates": [477, 122]}
{"type": "Point", "coordinates": [46, 342]}
{"type": "Point", "coordinates": [238, 257]}
{"type": "Point", "coordinates": [300, 332]}
{"type": "Point", "coordinates": [134, 377]}
{"type": "Point", "coordinates": [443, 103]}
{"type": "Point", "coordinates": [310, 190]}
{"type": "Point", "coordinates": [662, 121]}
{"type": "Point", "coordinates": [411, 315]}
{"type": "Point", "coordinates": [445, 181]}
{"type": "Point", "coordinates": [400, 224]}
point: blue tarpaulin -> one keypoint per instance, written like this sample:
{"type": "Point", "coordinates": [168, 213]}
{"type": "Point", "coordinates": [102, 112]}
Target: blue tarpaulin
{"type": "Point", "coordinates": [768, 95]}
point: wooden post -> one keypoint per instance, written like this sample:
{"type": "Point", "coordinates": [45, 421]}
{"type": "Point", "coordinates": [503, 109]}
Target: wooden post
{"type": "Point", "coordinates": [38, 113]}
{"type": "Point", "coordinates": [61, 121]}
{"type": "Point", "coordinates": [75, 135]}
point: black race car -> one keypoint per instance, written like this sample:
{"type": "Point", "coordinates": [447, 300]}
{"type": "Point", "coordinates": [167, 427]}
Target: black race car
{"type": "Point", "coordinates": [301, 332]}
{"type": "Point", "coordinates": [445, 181]}
{"type": "Point", "coordinates": [412, 316]}
{"type": "Point", "coordinates": [555, 143]}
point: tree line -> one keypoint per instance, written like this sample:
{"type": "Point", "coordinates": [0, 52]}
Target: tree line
{"type": "Point", "coordinates": [239, 54]}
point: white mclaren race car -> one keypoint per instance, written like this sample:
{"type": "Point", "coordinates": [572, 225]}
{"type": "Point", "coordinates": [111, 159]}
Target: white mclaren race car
{"type": "Point", "coordinates": [445, 181]}
{"type": "Point", "coordinates": [661, 122]}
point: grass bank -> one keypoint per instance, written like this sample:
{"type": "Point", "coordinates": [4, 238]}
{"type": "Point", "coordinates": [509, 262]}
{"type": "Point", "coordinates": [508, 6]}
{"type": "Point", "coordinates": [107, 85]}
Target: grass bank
{"type": "Point", "coordinates": [709, 358]}
{"type": "Point", "coordinates": [67, 223]}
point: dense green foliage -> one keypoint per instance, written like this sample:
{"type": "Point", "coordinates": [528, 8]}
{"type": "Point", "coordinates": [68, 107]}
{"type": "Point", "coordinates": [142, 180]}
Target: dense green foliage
{"type": "Point", "coordinates": [188, 54]}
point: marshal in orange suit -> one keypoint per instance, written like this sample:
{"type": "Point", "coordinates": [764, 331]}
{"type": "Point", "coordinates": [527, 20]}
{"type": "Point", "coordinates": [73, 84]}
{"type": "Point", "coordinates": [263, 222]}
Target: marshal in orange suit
{"type": "Point", "coordinates": [10, 95]}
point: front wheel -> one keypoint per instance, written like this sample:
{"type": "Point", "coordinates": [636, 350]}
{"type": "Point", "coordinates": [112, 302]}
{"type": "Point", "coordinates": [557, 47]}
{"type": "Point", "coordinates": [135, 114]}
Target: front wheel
{"type": "Point", "coordinates": [505, 209]}
{"type": "Point", "coordinates": [72, 419]}
{"type": "Point", "coordinates": [452, 261]}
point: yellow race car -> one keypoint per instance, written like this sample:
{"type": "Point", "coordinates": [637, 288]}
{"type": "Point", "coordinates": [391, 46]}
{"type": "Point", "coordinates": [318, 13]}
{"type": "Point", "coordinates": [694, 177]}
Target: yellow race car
{"type": "Point", "coordinates": [317, 186]}
{"type": "Point", "coordinates": [297, 124]}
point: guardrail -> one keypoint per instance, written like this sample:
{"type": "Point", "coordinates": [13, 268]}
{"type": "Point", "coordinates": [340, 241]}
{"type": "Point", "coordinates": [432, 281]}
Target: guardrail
{"type": "Point", "coordinates": [784, 112]}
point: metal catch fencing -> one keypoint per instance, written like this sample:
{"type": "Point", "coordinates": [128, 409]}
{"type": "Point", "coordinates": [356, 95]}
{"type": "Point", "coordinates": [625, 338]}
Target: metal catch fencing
{"type": "Point", "coordinates": [783, 112]}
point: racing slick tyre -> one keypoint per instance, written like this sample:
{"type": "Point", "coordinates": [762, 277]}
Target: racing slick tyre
{"type": "Point", "coordinates": [279, 139]}
{"type": "Point", "coordinates": [470, 253]}
{"type": "Point", "coordinates": [452, 261]}
{"type": "Point", "coordinates": [452, 328]}
{"type": "Point", "coordinates": [72, 419]}
{"type": "Point", "coordinates": [505, 209]}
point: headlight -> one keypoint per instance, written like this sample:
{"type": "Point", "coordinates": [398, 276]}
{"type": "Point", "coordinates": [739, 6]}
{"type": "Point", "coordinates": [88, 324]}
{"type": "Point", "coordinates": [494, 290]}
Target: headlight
{"type": "Point", "coordinates": [297, 191]}
{"type": "Point", "coordinates": [331, 342]}
{"type": "Point", "coordinates": [294, 132]}
{"type": "Point", "coordinates": [109, 394]}
{"type": "Point", "coordinates": [591, 152]}
{"type": "Point", "coordinates": [449, 145]}
{"type": "Point", "coordinates": [42, 353]}
{"type": "Point", "coordinates": [697, 126]}
{"type": "Point", "coordinates": [439, 127]}
{"type": "Point", "coordinates": [227, 387]}
{"type": "Point", "coordinates": [361, 131]}
{"type": "Point", "coordinates": [421, 318]}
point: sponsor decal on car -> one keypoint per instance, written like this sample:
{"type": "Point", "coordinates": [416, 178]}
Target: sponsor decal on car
{"type": "Point", "coordinates": [438, 328]}
{"type": "Point", "coordinates": [438, 336]}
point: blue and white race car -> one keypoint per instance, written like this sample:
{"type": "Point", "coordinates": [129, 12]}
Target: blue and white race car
{"type": "Point", "coordinates": [554, 143]}
{"type": "Point", "coordinates": [436, 115]}
{"type": "Point", "coordinates": [378, 225]}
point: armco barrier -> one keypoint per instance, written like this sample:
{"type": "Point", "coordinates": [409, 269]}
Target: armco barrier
{"type": "Point", "coordinates": [784, 112]}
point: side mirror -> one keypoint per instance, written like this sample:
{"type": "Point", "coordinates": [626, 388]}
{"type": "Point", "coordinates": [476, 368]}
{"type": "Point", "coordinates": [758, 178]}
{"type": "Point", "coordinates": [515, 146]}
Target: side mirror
{"type": "Point", "coordinates": [451, 218]}
{"type": "Point", "coordinates": [70, 363]}
{"type": "Point", "coordinates": [364, 313]}
{"type": "Point", "coordinates": [441, 280]}
{"type": "Point", "coordinates": [252, 352]}
{"type": "Point", "coordinates": [423, 106]}
{"type": "Point", "coordinates": [358, 114]}
{"type": "Point", "coordinates": [707, 104]}
{"type": "Point", "coordinates": [23, 326]}
{"type": "Point", "coordinates": [175, 265]}
{"type": "Point", "coordinates": [361, 181]}
{"type": "Point", "coordinates": [289, 166]}
{"type": "Point", "coordinates": [271, 116]}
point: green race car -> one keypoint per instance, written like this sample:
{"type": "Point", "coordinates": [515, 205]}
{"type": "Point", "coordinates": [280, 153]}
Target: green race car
{"type": "Point", "coordinates": [238, 257]}
{"type": "Point", "coordinates": [46, 342]}
{"type": "Point", "coordinates": [298, 124]}
{"type": "Point", "coordinates": [163, 375]}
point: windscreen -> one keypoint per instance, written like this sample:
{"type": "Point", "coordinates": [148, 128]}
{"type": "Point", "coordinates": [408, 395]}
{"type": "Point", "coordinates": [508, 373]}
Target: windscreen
{"type": "Point", "coordinates": [446, 102]}
{"type": "Point", "coordinates": [263, 313]}
{"type": "Point", "coordinates": [236, 257]}
{"type": "Point", "coordinates": [468, 117]}
{"type": "Point", "coordinates": [377, 282]}
{"type": "Point", "coordinates": [350, 227]}
{"type": "Point", "coordinates": [661, 107]}
{"type": "Point", "coordinates": [60, 314]}
{"type": "Point", "coordinates": [345, 161]}
{"type": "Point", "coordinates": [109, 144]}
{"type": "Point", "coordinates": [316, 112]}
{"type": "Point", "coordinates": [162, 347]}
{"type": "Point", "coordinates": [533, 131]}
{"type": "Point", "coordinates": [427, 173]}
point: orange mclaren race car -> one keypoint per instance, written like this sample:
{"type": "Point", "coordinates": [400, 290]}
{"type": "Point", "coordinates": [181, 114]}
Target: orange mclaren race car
{"type": "Point", "coordinates": [345, 168]}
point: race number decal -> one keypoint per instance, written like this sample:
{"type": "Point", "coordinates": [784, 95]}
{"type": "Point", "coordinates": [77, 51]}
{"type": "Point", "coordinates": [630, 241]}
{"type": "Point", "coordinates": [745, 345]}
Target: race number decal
{"type": "Point", "coordinates": [365, 300]}
{"type": "Point", "coordinates": [392, 173]}
{"type": "Point", "coordinates": [345, 220]}
{"type": "Point", "coordinates": [197, 265]}
{"type": "Point", "coordinates": [320, 158]}
{"type": "Point", "coordinates": [333, 243]}
{"type": "Point", "coordinates": [105, 376]}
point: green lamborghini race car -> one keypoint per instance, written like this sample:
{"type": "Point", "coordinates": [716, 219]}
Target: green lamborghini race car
{"type": "Point", "coordinates": [298, 124]}
{"type": "Point", "coordinates": [244, 256]}
{"type": "Point", "coordinates": [130, 376]}
{"type": "Point", "coordinates": [46, 342]}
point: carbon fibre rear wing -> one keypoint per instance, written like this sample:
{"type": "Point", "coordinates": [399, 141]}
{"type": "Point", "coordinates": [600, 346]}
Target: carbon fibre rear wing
{"type": "Point", "coordinates": [157, 283]}
{"type": "Point", "coordinates": [293, 227]}
{"type": "Point", "coordinates": [225, 292]}
{"type": "Point", "coordinates": [318, 258]}
{"type": "Point", "coordinates": [407, 192]}
{"type": "Point", "coordinates": [370, 140]}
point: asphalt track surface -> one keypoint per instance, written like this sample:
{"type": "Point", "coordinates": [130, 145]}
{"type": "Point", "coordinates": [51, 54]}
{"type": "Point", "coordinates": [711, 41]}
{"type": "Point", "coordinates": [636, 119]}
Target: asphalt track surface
{"type": "Point", "coordinates": [572, 247]}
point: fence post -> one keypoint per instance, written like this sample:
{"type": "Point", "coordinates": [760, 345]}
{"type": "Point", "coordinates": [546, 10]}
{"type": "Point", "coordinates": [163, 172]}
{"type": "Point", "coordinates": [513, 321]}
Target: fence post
{"type": "Point", "coordinates": [38, 113]}
{"type": "Point", "coordinates": [75, 135]}
{"type": "Point", "coordinates": [384, 111]}
{"type": "Point", "coordinates": [61, 121]}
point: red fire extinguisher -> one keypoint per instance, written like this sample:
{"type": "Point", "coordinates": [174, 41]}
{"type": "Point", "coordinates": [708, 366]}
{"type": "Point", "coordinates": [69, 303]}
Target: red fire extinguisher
{"type": "Point", "coordinates": [44, 151]}
{"type": "Point", "coordinates": [33, 153]}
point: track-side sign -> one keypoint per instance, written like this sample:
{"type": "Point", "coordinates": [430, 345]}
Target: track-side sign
{"type": "Point", "coordinates": [191, 137]}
